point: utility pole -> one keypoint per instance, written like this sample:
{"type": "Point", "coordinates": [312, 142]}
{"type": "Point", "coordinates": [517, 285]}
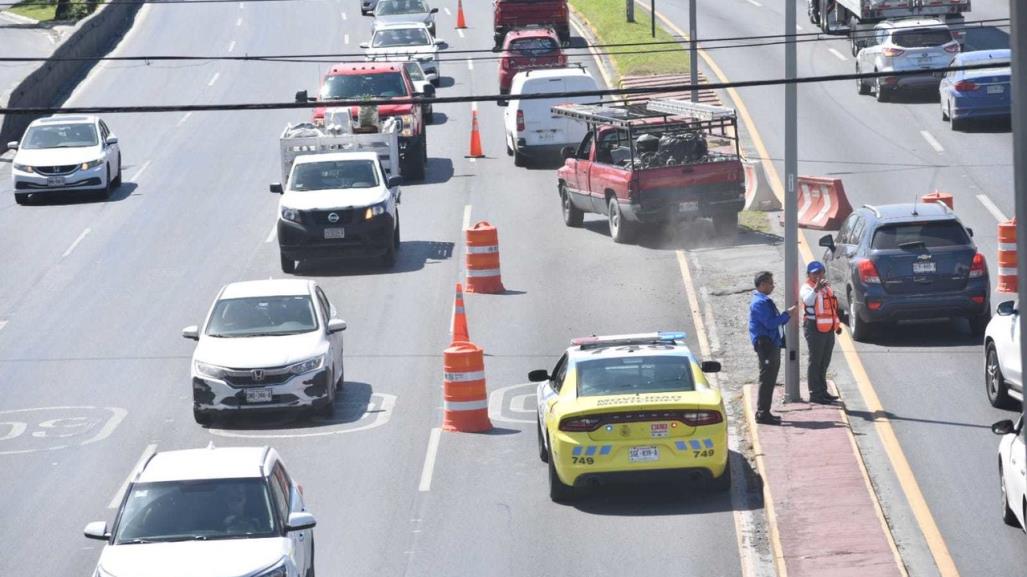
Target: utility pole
{"type": "Point", "coordinates": [1018, 40]}
{"type": "Point", "coordinates": [790, 207]}
{"type": "Point", "coordinates": [652, 17]}
{"type": "Point", "coordinates": [693, 50]}
{"type": "Point", "coordinates": [629, 7]}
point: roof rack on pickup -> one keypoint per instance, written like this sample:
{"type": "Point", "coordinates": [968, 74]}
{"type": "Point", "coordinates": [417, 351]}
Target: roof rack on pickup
{"type": "Point", "coordinates": [660, 337]}
{"type": "Point", "coordinates": [690, 109]}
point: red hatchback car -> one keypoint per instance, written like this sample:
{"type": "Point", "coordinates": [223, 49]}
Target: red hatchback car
{"type": "Point", "coordinates": [528, 49]}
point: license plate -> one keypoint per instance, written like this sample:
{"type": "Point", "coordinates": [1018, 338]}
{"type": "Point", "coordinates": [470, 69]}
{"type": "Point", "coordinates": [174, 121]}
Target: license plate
{"type": "Point", "coordinates": [996, 89]}
{"type": "Point", "coordinates": [258, 395]}
{"type": "Point", "coordinates": [644, 454]}
{"type": "Point", "coordinates": [923, 267]}
{"type": "Point", "coordinates": [545, 135]}
{"type": "Point", "coordinates": [335, 233]}
{"type": "Point", "coordinates": [689, 206]}
{"type": "Point", "coordinates": [55, 181]}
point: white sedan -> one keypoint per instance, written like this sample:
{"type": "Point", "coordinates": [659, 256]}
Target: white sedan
{"type": "Point", "coordinates": [1003, 372]}
{"type": "Point", "coordinates": [267, 345]}
{"type": "Point", "coordinates": [406, 41]}
{"type": "Point", "coordinates": [1011, 472]}
{"type": "Point", "coordinates": [66, 153]}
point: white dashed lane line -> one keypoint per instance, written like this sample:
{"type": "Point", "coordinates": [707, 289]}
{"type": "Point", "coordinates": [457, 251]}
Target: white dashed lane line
{"type": "Point", "coordinates": [755, 3]}
{"type": "Point", "coordinates": [239, 21]}
{"type": "Point", "coordinates": [837, 54]}
{"type": "Point", "coordinates": [345, 39]}
{"type": "Point", "coordinates": [448, 13]}
{"type": "Point", "coordinates": [992, 208]}
{"type": "Point", "coordinates": [467, 217]}
{"type": "Point", "coordinates": [2, 325]}
{"type": "Point", "coordinates": [147, 453]}
{"type": "Point", "coordinates": [231, 46]}
{"type": "Point", "coordinates": [75, 244]}
{"type": "Point", "coordinates": [470, 64]}
{"type": "Point", "coordinates": [271, 235]}
{"type": "Point", "coordinates": [460, 32]}
{"type": "Point", "coordinates": [214, 79]}
{"type": "Point", "coordinates": [931, 140]}
{"type": "Point", "coordinates": [343, 15]}
{"type": "Point", "coordinates": [182, 120]}
{"type": "Point", "coordinates": [429, 460]}
{"type": "Point", "coordinates": [142, 169]}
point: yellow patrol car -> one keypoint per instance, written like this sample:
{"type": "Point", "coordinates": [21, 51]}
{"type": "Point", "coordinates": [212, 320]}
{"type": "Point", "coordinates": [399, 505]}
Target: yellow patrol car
{"type": "Point", "coordinates": [630, 407]}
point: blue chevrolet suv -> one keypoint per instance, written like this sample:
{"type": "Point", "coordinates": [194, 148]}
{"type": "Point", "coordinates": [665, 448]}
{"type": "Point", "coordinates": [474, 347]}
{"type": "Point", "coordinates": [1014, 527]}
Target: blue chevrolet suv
{"type": "Point", "coordinates": [907, 261]}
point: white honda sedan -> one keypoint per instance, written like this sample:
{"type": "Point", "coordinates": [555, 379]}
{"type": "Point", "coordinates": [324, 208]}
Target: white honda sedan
{"type": "Point", "coordinates": [64, 153]}
{"type": "Point", "coordinates": [1003, 368]}
{"type": "Point", "coordinates": [267, 345]}
{"type": "Point", "coordinates": [1011, 472]}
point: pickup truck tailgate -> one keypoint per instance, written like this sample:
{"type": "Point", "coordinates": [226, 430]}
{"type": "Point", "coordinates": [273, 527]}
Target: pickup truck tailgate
{"type": "Point", "coordinates": [694, 187]}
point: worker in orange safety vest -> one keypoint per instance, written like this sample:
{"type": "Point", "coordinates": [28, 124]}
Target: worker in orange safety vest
{"type": "Point", "coordinates": [820, 324]}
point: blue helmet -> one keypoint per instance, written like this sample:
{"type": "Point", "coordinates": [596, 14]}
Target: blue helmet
{"type": "Point", "coordinates": [815, 266]}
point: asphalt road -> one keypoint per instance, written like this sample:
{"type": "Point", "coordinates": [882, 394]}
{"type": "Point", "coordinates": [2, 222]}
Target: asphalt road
{"type": "Point", "coordinates": [929, 376]}
{"type": "Point", "coordinates": [94, 295]}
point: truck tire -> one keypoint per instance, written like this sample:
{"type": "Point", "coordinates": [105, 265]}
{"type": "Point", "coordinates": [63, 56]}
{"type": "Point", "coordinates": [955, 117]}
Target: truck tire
{"type": "Point", "coordinates": [572, 215]}
{"type": "Point", "coordinates": [389, 258]}
{"type": "Point", "coordinates": [725, 224]}
{"type": "Point", "coordinates": [880, 92]}
{"type": "Point", "coordinates": [861, 86]}
{"type": "Point", "coordinates": [621, 231]}
{"type": "Point", "coordinates": [519, 158]}
{"type": "Point", "coordinates": [994, 383]}
{"type": "Point", "coordinates": [21, 197]}
{"type": "Point", "coordinates": [288, 264]}
{"type": "Point", "coordinates": [413, 164]}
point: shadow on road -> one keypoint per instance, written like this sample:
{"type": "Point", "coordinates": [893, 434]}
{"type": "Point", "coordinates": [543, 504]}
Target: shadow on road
{"type": "Point", "coordinates": [350, 406]}
{"type": "Point", "coordinates": [439, 171]}
{"type": "Point", "coordinates": [879, 415]}
{"type": "Point", "coordinates": [926, 334]}
{"type": "Point", "coordinates": [413, 255]}
{"type": "Point", "coordinates": [691, 235]}
{"type": "Point", "coordinates": [82, 197]}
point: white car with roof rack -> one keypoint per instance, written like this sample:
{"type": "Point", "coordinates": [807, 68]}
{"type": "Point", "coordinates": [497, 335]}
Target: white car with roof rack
{"type": "Point", "coordinates": [213, 512]}
{"type": "Point", "coordinates": [267, 345]}
{"type": "Point", "coordinates": [406, 40]}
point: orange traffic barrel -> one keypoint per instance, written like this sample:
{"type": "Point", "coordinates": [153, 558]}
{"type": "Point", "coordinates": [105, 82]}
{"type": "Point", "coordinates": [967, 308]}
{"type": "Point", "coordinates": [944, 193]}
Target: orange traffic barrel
{"type": "Point", "coordinates": [465, 402]}
{"type": "Point", "coordinates": [482, 259]}
{"type": "Point", "coordinates": [1007, 257]}
{"type": "Point", "coordinates": [938, 196]}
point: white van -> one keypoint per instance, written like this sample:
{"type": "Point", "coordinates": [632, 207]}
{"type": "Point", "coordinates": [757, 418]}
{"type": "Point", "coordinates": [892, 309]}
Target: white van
{"type": "Point", "coordinates": [531, 129]}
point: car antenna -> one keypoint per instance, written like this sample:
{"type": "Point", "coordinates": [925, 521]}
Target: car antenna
{"type": "Point", "coordinates": [915, 213]}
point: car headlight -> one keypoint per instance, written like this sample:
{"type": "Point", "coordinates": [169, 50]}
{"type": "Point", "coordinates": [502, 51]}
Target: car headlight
{"type": "Point", "coordinates": [24, 168]}
{"type": "Point", "coordinates": [209, 371]}
{"type": "Point", "coordinates": [91, 164]}
{"type": "Point", "coordinates": [308, 365]}
{"type": "Point", "coordinates": [373, 211]}
{"type": "Point", "coordinates": [291, 214]}
{"type": "Point", "coordinates": [276, 571]}
{"type": "Point", "coordinates": [408, 124]}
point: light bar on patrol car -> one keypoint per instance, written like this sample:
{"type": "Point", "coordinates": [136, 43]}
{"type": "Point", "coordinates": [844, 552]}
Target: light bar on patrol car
{"type": "Point", "coordinates": [635, 339]}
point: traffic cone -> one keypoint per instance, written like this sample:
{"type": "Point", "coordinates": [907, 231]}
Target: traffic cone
{"type": "Point", "coordinates": [475, 138]}
{"type": "Point", "coordinates": [459, 326]}
{"type": "Point", "coordinates": [460, 23]}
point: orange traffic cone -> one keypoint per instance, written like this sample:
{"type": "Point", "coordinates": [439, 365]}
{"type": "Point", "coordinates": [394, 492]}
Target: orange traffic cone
{"type": "Point", "coordinates": [460, 23]}
{"type": "Point", "coordinates": [459, 326]}
{"type": "Point", "coordinates": [475, 138]}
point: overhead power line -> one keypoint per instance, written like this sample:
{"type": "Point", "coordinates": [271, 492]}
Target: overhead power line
{"type": "Point", "coordinates": [641, 90]}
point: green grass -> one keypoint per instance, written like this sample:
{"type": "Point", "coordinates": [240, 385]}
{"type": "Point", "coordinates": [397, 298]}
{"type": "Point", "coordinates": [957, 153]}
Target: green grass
{"type": "Point", "coordinates": [754, 220]}
{"type": "Point", "coordinates": [36, 10]}
{"type": "Point", "coordinates": [608, 21]}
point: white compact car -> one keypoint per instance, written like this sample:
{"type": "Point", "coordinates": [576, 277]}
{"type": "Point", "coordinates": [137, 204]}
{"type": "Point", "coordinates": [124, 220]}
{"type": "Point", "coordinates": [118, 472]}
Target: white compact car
{"type": "Point", "coordinates": [532, 130]}
{"type": "Point", "coordinates": [209, 513]}
{"type": "Point", "coordinates": [1003, 368]}
{"type": "Point", "coordinates": [268, 344]}
{"type": "Point", "coordinates": [1012, 474]}
{"type": "Point", "coordinates": [403, 41]}
{"type": "Point", "coordinates": [66, 153]}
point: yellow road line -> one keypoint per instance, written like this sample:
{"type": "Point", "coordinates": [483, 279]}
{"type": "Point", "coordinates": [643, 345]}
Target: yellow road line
{"type": "Point", "coordinates": [768, 499]}
{"type": "Point", "coordinates": [907, 480]}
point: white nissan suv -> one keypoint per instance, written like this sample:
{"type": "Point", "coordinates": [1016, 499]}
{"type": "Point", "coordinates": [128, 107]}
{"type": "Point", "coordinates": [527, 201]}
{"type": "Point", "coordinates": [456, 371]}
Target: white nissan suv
{"type": "Point", "coordinates": [213, 512]}
{"type": "Point", "coordinates": [1003, 368]}
{"type": "Point", "coordinates": [268, 344]}
{"type": "Point", "coordinates": [66, 153]}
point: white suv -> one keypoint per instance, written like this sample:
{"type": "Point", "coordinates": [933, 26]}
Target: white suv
{"type": "Point", "coordinates": [1003, 368]}
{"type": "Point", "coordinates": [1012, 474]}
{"type": "Point", "coordinates": [269, 344]}
{"type": "Point", "coordinates": [209, 512]}
{"type": "Point", "coordinates": [905, 46]}
{"type": "Point", "coordinates": [66, 153]}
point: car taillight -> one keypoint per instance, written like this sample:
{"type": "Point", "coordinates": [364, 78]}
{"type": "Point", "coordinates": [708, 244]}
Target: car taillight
{"type": "Point", "coordinates": [701, 418]}
{"type": "Point", "coordinates": [893, 52]}
{"type": "Point", "coordinates": [520, 121]}
{"type": "Point", "coordinates": [580, 424]}
{"type": "Point", "coordinates": [965, 86]}
{"type": "Point", "coordinates": [868, 272]}
{"type": "Point", "coordinates": [506, 64]}
{"type": "Point", "coordinates": [979, 267]}
{"type": "Point", "coordinates": [952, 47]}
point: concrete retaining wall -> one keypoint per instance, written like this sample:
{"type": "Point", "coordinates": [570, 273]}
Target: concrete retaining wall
{"type": "Point", "coordinates": [52, 82]}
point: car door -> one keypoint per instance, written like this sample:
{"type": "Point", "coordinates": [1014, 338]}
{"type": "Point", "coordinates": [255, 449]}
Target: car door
{"type": "Point", "coordinates": [548, 392]}
{"type": "Point", "coordinates": [581, 166]}
{"type": "Point", "coordinates": [290, 500]}
{"type": "Point", "coordinates": [845, 247]}
{"type": "Point", "coordinates": [1008, 348]}
{"type": "Point", "coordinates": [334, 339]}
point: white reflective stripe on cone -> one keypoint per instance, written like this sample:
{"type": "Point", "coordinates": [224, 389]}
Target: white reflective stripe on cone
{"type": "Point", "coordinates": [465, 405]}
{"type": "Point", "coordinates": [484, 272]}
{"type": "Point", "coordinates": [483, 249]}
{"type": "Point", "coordinates": [1006, 247]}
{"type": "Point", "coordinates": [463, 377]}
{"type": "Point", "coordinates": [1007, 272]}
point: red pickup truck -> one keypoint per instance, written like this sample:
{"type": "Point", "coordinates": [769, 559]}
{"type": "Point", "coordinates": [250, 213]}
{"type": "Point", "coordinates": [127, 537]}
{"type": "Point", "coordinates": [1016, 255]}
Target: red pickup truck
{"type": "Point", "coordinates": [528, 49]}
{"type": "Point", "coordinates": [510, 14]}
{"type": "Point", "coordinates": [642, 167]}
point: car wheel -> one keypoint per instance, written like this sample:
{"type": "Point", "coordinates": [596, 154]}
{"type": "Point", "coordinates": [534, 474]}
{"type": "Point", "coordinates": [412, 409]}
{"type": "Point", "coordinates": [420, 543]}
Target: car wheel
{"type": "Point", "coordinates": [202, 418]}
{"type": "Point", "coordinates": [956, 123]}
{"type": "Point", "coordinates": [328, 409]}
{"type": "Point", "coordinates": [979, 323]}
{"type": "Point", "coordinates": [389, 258]}
{"type": "Point", "coordinates": [21, 198]}
{"type": "Point", "coordinates": [340, 382]}
{"type": "Point", "coordinates": [1008, 516]}
{"type": "Point", "coordinates": [519, 159]}
{"type": "Point", "coordinates": [723, 482]}
{"type": "Point", "coordinates": [108, 187]}
{"type": "Point", "coordinates": [310, 569]}
{"type": "Point", "coordinates": [945, 113]}
{"type": "Point", "coordinates": [558, 491]}
{"type": "Point", "coordinates": [995, 384]}
{"type": "Point", "coordinates": [861, 86]}
{"type": "Point", "coordinates": [572, 215]}
{"type": "Point", "coordinates": [121, 166]}
{"type": "Point", "coordinates": [880, 92]}
{"type": "Point", "coordinates": [859, 328]}
{"type": "Point", "coordinates": [620, 229]}
{"type": "Point", "coordinates": [288, 264]}
{"type": "Point", "coordinates": [509, 150]}
{"type": "Point", "coordinates": [543, 453]}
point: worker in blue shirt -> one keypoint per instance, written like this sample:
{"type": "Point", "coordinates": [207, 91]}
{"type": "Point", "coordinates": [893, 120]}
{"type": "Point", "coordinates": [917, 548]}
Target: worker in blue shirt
{"type": "Point", "coordinates": [765, 332]}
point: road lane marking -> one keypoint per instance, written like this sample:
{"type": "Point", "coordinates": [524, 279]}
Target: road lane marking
{"type": "Point", "coordinates": [467, 217]}
{"type": "Point", "coordinates": [271, 235]}
{"type": "Point", "coordinates": [994, 210]}
{"type": "Point", "coordinates": [75, 244]}
{"type": "Point", "coordinates": [345, 39]}
{"type": "Point", "coordinates": [182, 120]}
{"type": "Point", "coordinates": [755, 3]}
{"type": "Point", "coordinates": [837, 54]}
{"type": "Point", "coordinates": [239, 21]}
{"type": "Point", "coordinates": [460, 32]}
{"type": "Point", "coordinates": [448, 13]}
{"type": "Point", "coordinates": [768, 499]}
{"type": "Point", "coordinates": [932, 141]}
{"type": "Point", "coordinates": [429, 460]}
{"type": "Point", "coordinates": [214, 79]}
{"type": "Point", "coordinates": [120, 495]}
{"type": "Point", "coordinates": [241, 6]}
{"type": "Point", "coordinates": [343, 15]}
{"type": "Point", "coordinates": [231, 46]}
{"type": "Point", "coordinates": [496, 405]}
{"type": "Point", "coordinates": [799, 28]}
{"type": "Point", "coordinates": [142, 169]}
{"type": "Point", "coordinates": [470, 64]}
{"type": "Point", "coordinates": [2, 325]}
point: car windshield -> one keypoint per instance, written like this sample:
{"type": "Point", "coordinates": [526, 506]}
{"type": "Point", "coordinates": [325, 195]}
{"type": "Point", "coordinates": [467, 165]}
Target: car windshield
{"type": "Point", "coordinates": [60, 136]}
{"type": "Point", "coordinates": [394, 7]}
{"type": "Point", "coordinates": [394, 37]}
{"type": "Point", "coordinates": [415, 72]}
{"type": "Point", "coordinates": [633, 375]}
{"type": "Point", "coordinates": [920, 234]}
{"type": "Point", "coordinates": [196, 510]}
{"type": "Point", "coordinates": [921, 37]}
{"type": "Point", "coordinates": [385, 85]}
{"type": "Point", "coordinates": [262, 316]}
{"type": "Point", "coordinates": [534, 46]}
{"type": "Point", "coordinates": [333, 175]}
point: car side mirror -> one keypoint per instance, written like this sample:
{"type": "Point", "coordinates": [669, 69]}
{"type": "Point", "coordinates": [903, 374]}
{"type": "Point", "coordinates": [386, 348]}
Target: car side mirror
{"type": "Point", "coordinates": [300, 521]}
{"type": "Point", "coordinates": [1003, 427]}
{"type": "Point", "coordinates": [567, 152]}
{"type": "Point", "coordinates": [441, 43]}
{"type": "Point", "coordinates": [336, 326]}
{"type": "Point", "coordinates": [12, 144]}
{"type": "Point", "coordinates": [365, 45]}
{"type": "Point", "coordinates": [827, 241]}
{"type": "Point", "coordinates": [433, 11]}
{"type": "Point", "coordinates": [191, 332]}
{"type": "Point", "coordinates": [394, 181]}
{"type": "Point", "coordinates": [970, 231]}
{"type": "Point", "coordinates": [497, 49]}
{"type": "Point", "coordinates": [538, 375]}
{"type": "Point", "coordinates": [97, 530]}
{"type": "Point", "coordinates": [710, 367]}
{"type": "Point", "coordinates": [429, 91]}
{"type": "Point", "coordinates": [276, 188]}
{"type": "Point", "coordinates": [301, 96]}
{"type": "Point", "coordinates": [1006, 308]}
{"type": "Point", "coordinates": [112, 139]}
